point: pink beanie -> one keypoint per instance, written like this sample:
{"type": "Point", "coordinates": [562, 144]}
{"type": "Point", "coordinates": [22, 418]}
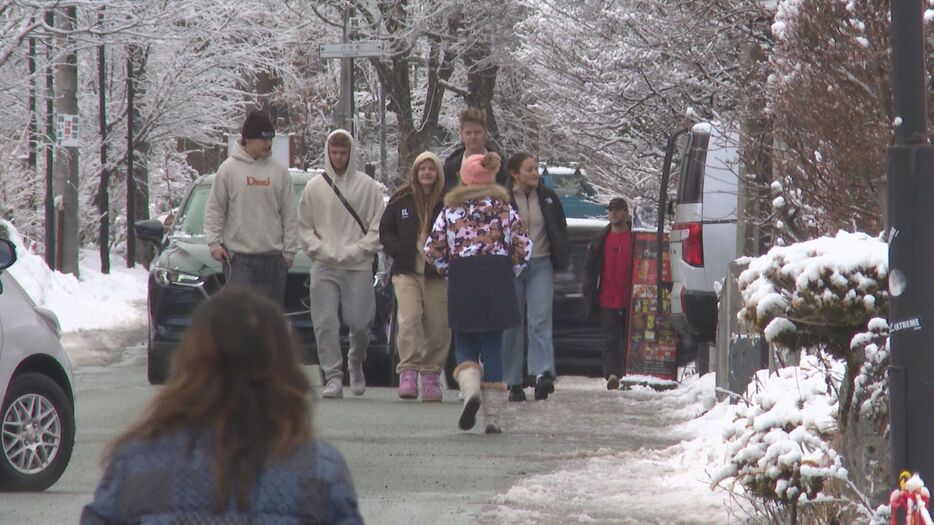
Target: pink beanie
{"type": "Point", "coordinates": [480, 169]}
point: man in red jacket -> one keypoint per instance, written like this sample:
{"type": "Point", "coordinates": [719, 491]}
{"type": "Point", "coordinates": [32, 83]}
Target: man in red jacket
{"type": "Point", "coordinates": [608, 286]}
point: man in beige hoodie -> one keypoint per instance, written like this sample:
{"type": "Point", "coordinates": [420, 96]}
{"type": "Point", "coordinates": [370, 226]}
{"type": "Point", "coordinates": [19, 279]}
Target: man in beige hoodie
{"type": "Point", "coordinates": [250, 221]}
{"type": "Point", "coordinates": [341, 238]}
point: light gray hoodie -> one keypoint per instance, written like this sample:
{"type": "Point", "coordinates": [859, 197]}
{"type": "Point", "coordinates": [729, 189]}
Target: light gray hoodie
{"type": "Point", "coordinates": [251, 208]}
{"type": "Point", "coordinates": [329, 233]}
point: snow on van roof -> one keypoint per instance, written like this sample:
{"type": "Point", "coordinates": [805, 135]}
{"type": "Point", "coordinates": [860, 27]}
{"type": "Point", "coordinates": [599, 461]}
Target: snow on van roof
{"type": "Point", "coordinates": [558, 170]}
{"type": "Point", "coordinates": [701, 127]}
{"type": "Point", "coordinates": [585, 223]}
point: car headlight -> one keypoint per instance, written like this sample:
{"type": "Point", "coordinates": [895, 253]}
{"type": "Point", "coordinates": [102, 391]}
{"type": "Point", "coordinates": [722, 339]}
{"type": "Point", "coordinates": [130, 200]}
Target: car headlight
{"type": "Point", "coordinates": [167, 277]}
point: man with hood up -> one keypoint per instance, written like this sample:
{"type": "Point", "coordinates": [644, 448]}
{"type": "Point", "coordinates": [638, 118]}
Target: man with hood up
{"type": "Point", "coordinates": [249, 219]}
{"type": "Point", "coordinates": [338, 217]}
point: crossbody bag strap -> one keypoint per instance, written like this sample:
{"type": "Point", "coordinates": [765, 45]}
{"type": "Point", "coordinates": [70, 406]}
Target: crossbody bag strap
{"type": "Point", "coordinates": [346, 204]}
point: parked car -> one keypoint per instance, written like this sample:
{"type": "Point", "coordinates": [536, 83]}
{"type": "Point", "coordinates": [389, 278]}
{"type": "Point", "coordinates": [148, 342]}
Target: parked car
{"type": "Point", "coordinates": [576, 192]}
{"type": "Point", "coordinates": [38, 409]}
{"type": "Point", "coordinates": [578, 340]}
{"type": "Point", "coordinates": [184, 273]}
{"type": "Point", "coordinates": [703, 231]}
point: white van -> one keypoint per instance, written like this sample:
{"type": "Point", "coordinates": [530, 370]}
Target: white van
{"type": "Point", "coordinates": [702, 242]}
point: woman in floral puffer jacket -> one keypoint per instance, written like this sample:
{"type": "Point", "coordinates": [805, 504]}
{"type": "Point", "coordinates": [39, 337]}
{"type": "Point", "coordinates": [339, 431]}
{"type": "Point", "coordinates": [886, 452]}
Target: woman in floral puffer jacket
{"type": "Point", "coordinates": [480, 244]}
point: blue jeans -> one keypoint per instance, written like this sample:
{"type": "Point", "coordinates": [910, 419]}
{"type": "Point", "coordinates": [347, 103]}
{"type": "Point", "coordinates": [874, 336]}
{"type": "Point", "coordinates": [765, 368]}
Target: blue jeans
{"type": "Point", "coordinates": [535, 287]}
{"type": "Point", "coordinates": [481, 346]}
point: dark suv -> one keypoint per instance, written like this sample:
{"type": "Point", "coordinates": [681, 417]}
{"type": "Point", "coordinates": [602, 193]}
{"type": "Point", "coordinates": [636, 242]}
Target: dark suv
{"type": "Point", "coordinates": [578, 340]}
{"type": "Point", "coordinates": [184, 273]}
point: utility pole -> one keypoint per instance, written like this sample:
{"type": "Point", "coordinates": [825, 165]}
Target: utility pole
{"type": "Point", "coordinates": [51, 255]}
{"type": "Point", "coordinates": [911, 248]}
{"type": "Point", "coordinates": [66, 164]}
{"type": "Point", "coordinates": [103, 190]}
{"type": "Point", "coordinates": [132, 54]}
{"type": "Point", "coordinates": [382, 135]}
{"type": "Point", "coordinates": [33, 114]}
{"type": "Point", "coordinates": [344, 116]}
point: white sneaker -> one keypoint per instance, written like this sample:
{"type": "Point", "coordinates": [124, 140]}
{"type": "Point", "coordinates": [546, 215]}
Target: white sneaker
{"type": "Point", "coordinates": [334, 389]}
{"type": "Point", "coordinates": [357, 379]}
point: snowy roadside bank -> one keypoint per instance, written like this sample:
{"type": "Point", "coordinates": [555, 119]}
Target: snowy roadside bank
{"type": "Point", "coordinates": [625, 484]}
{"type": "Point", "coordinates": [98, 313]}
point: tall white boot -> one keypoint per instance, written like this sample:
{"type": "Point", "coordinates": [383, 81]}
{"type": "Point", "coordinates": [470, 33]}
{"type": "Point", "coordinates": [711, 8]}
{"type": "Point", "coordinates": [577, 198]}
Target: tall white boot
{"type": "Point", "coordinates": [468, 375]}
{"type": "Point", "coordinates": [494, 399]}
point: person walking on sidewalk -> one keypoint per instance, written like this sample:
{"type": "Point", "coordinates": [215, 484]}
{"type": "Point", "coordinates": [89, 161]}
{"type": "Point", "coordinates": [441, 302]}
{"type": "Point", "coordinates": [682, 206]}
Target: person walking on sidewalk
{"type": "Point", "coordinates": [479, 242]}
{"type": "Point", "coordinates": [542, 214]}
{"type": "Point", "coordinates": [607, 287]}
{"type": "Point", "coordinates": [474, 141]}
{"type": "Point", "coordinates": [338, 217]}
{"type": "Point", "coordinates": [229, 438]}
{"type": "Point", "coordinates": [249, 220]}
{"type": "Point", "coordinates": [424, 338]}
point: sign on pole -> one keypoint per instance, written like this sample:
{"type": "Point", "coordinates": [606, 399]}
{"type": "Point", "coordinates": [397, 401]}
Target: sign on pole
{"type": "Point", "coordinates": [66, 134]}
{"type": "Point", "coordinates": [356, 49]}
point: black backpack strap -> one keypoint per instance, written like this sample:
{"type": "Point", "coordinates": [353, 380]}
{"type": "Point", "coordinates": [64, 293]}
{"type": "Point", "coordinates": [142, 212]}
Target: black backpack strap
{"type": "Point", "coordinates": [346, 204]}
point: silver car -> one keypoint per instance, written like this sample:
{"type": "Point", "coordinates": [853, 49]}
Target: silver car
{"type": "Point", "coordinates": [38, 409]}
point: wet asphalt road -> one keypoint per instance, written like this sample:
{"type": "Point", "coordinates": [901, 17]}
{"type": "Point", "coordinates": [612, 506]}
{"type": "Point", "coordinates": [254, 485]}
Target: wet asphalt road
{"type": "Point", "coordinates": [409, 461]}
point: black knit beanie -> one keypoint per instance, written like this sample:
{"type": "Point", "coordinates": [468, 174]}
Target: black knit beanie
{"type": "Point", "coordinates": [257, 126]}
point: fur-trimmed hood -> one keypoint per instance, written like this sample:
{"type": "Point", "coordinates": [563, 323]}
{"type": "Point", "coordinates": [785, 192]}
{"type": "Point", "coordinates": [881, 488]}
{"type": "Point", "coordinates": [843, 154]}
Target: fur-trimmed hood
{"type": "Point", "coordinates": [461, 194]}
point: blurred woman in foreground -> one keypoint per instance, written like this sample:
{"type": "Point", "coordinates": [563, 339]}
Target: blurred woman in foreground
{"type": "Point", "coordinates": [229, 438]}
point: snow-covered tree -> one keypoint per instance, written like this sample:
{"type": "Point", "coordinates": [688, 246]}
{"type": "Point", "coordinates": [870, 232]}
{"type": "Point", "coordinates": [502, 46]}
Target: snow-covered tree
{"type": "Point", "coordinates": [199, 65]}
{"type": "Point", "coordinates": [615, 78]}
{"type": "Point", "coordinates": [830, 97]}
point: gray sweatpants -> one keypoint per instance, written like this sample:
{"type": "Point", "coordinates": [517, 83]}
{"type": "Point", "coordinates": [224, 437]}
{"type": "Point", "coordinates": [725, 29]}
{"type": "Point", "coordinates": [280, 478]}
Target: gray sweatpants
{"type": "Point", "coordinates": [267, 272]}
{"type": "Point", "coordinates": [348, 293]}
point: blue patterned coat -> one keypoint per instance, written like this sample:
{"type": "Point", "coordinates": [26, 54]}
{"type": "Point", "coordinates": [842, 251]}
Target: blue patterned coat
{"type": "Point", "coordinates": [167, 481]}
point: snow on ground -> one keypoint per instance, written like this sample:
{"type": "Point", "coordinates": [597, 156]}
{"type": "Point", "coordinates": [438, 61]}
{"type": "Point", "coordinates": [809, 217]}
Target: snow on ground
{"type": "Point", "coordinates": [95, 302]}
{"type": "Point", "coordinates": [642, 485]}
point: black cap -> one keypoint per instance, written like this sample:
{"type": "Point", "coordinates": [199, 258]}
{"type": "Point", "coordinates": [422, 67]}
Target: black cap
{"type": "Point", "coordinates": [257, 126]}
{"type": "Point", "coordinates": [617, 203]}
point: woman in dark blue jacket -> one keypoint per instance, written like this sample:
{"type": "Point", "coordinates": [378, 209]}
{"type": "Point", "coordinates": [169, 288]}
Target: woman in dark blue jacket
{"type": "Point", "coordinates": [228, 439]}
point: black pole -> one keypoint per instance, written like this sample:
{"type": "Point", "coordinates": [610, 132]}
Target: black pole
{"type": "Point", "coordinates": [130, 153]}
{"type": "Point", "coordinates": [33, 115]}
{"type": "Point", "coordinates": [50, 215]}
{"type": "Point", "coordinates": [103, 191]}
{"type": "Point", "coordinates": [911, 248]}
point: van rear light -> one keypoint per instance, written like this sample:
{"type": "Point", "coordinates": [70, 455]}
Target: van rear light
{"type": "Point", "coordinates": [692, 245]}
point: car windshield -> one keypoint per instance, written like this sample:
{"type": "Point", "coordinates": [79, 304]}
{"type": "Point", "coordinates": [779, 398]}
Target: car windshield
{"type": "Point", "coordinates": [190, 222]}
{"type": "Point", "coordinates": [567, 185]}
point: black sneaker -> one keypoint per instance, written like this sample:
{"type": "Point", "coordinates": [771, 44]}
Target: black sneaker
{"type": "Point", "coordinates": [516, 393]}
{"type": "Point", "coordinates": [544, 386]}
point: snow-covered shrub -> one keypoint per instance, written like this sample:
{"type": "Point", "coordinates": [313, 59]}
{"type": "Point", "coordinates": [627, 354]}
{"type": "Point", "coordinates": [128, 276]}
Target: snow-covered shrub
{"type": "Point", "coordinates": [818, 293]}
{"type": "Point", "coordinates": [778, 445]}
{"type": "Point", "coordinates": [870, 390]}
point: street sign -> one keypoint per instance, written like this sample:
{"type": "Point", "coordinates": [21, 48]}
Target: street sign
{"type": "Point", "coordinates": [360, 48]}
{"type": "Point", "coordinates": [67, 130]}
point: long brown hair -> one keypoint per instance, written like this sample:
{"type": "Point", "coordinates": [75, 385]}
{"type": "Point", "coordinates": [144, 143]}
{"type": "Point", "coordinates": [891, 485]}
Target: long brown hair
{"type": "Point", "coordinates": [236, 374]}
{"type": "Point", "coordinates": [425, 201]}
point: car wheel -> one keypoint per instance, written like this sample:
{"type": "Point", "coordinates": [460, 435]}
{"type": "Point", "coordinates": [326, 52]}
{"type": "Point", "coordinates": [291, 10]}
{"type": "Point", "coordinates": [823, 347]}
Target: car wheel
{"type": "Point", "coordinates": [38, 433]}
{"type": "Point", "coordinates": [157, 368]}
{"type": "Point", "coordinates": [381, 366]}
{"type": "Point", "coordinates": [449, 369]}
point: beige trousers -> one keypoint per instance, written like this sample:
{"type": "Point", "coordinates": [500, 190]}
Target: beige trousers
{"type": "Point", "coordinates": [424, 338]}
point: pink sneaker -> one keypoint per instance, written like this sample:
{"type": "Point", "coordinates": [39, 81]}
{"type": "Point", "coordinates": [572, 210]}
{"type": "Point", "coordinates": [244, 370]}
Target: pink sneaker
{"type": "Point", "coordinates": [431, 388]}
{"type": "Point", "coordinates": [408, 384]}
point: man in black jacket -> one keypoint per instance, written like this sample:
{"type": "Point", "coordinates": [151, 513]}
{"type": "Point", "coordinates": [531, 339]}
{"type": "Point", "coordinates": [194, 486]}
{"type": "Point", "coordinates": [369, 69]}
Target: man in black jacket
{"type": "Point", "coordinates": [474, 136]}
{"type": "Point", "coordinates": [607, 287]}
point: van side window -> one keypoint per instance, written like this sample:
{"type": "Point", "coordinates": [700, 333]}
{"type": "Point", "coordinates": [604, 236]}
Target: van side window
{"type": "Point", "coordinates": [691, 188]}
